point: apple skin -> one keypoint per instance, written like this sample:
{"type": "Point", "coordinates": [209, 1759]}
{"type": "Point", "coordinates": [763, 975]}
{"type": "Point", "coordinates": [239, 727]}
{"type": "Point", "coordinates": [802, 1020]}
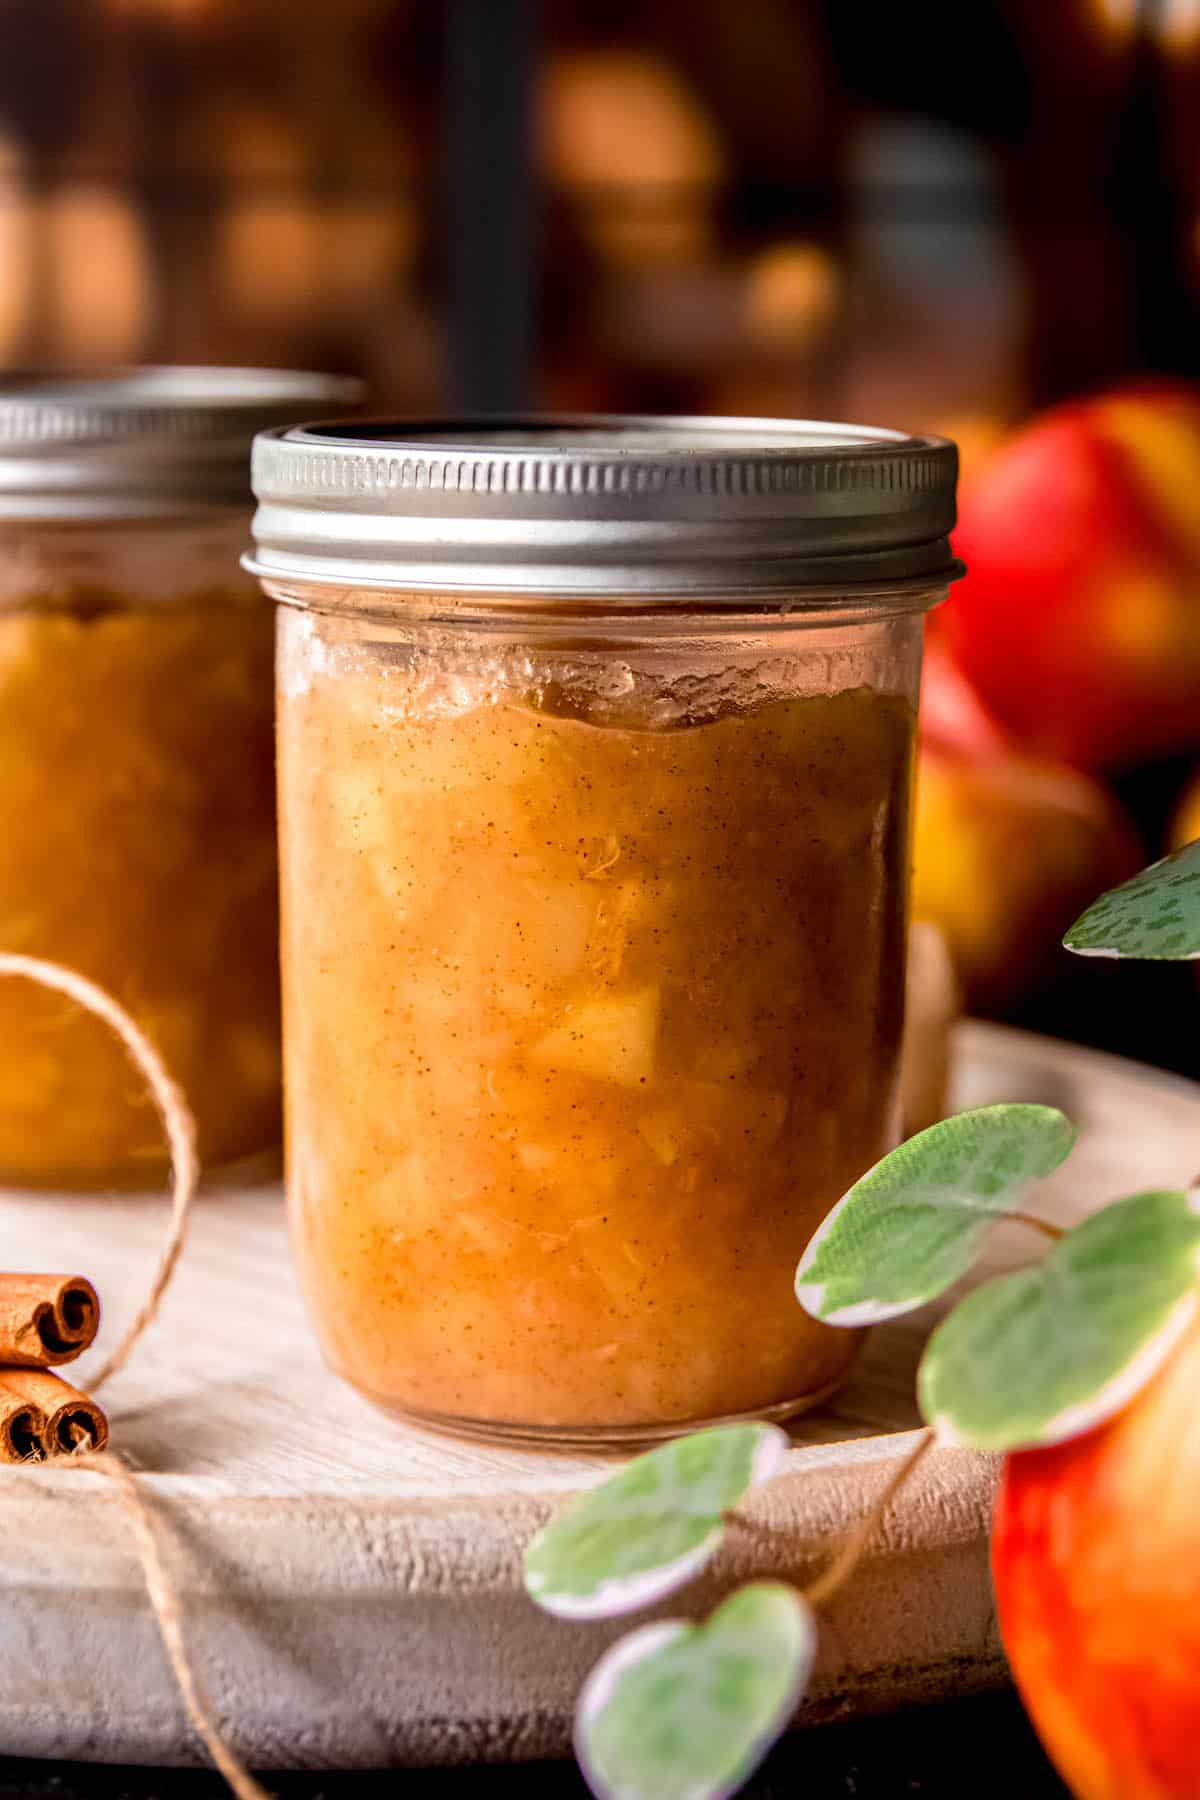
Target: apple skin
{"type": "Point", "coordinates": [953, 717]}
{"type": "Point", "coordinates": [1185, 825]}
{"type": "Point", "coordinates": [1096, 1568]}
{"type": "Point", "coordinates": [1078, 621]}
{"type": "Point", "coordinates": [1008, 848]}
{"type": "Point", "coordinates": [1007, 852]}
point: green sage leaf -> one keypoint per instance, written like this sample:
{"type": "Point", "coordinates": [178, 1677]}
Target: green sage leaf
{"type": "Point", "coordinates": [1156, 916]}
{"type": "Point", "coordinates": [650, 1528]}
{"type": "Point", "coordinates": [916, 1222]}
{"type": "Point", "coordinates": [687, 1712]}
{"type": "Point", "coordinates": [1050, 1352]}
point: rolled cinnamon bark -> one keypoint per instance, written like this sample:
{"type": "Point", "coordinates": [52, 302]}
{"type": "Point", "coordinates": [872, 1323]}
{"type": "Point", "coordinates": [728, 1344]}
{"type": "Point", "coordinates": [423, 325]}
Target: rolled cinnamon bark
{"type": "Point", "coordinates": [70, 1420]}
{"type": "Point", "coordinates": [22, 1429]}
{"type": "Point", "coordinates": [46, 1319]}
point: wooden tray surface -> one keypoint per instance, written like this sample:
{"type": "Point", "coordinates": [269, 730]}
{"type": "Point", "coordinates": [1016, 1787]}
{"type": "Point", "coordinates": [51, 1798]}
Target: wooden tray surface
{"type": "Point", "coordinates": [352, 1587]}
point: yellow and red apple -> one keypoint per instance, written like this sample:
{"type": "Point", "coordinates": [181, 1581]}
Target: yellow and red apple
{"type": "Point", "coordinates": [1008, 848]}
{"type": "Point", "coordinates": [1096, 1566]}
{"type": "Point", "coordinates": [1185, 825]}
{"type": "Point", "coordinates": [1078, 621]}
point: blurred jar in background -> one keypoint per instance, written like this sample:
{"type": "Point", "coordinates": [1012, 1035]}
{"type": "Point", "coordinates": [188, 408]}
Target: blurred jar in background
{"type": "Point", "coordinates": [137, 762]}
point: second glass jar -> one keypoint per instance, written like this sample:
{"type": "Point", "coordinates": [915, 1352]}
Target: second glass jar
{"type": "Point", "coordinates": [136, 745]}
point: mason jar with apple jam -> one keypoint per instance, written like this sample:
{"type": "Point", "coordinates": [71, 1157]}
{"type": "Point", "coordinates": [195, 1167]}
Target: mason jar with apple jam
{"type": "Point", "coordinates": [595, 755]}
{"type": "Point", "coordinates": [136, 755]}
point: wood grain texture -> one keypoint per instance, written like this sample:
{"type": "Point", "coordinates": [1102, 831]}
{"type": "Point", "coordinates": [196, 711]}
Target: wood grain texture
{"type": "Point", "coordinates": [352, 1586]}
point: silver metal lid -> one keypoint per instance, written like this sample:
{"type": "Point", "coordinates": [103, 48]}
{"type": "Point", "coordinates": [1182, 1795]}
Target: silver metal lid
{"type": "Point", "coordinates": [579, 505]}
{"type": "Point", "coordinates": [126, 443]}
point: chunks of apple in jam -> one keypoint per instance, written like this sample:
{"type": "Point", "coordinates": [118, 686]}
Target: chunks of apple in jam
{"type": "Point", "coordinates": [607, 1039]}
{"type": "Point", "coordinates": [589, 1024]}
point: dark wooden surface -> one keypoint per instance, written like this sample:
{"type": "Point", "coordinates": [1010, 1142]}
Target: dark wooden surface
{"type": "Point", "coordinates": [925, 1751]}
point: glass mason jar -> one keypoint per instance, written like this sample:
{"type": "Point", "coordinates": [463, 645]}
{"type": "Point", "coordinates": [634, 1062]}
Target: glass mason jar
{"type": "Point", "coordinates": [595, 754]}
{"type": "Point", "coordinates": [136, 753]}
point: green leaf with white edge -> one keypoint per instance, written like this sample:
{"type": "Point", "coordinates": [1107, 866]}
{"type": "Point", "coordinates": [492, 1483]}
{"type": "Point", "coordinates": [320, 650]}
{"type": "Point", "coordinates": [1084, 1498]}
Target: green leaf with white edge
{"type": "Point", "coordinates": [687, 1712]}
{"type": "Point", "coordinates": [1154, 917]}
{"type": "Point", "coordinates": [1050, 1352]}
{"type": "Point", "coordinates": [917, 1221]}
{"type": "Point", "coordinates": [650, 1528]}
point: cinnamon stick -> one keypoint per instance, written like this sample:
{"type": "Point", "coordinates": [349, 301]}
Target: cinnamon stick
{"type": "Point", "coordinates": [72, 1421]}
{"type": "Point", "coordinates": [46, 1319]}
{"type": "Point", "coordinates": [22, 1428]}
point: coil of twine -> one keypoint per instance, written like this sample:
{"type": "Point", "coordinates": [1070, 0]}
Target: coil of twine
{"type": "Point", "coordinates": [180, 1131]}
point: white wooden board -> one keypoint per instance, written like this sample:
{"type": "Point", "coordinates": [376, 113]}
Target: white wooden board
{"type": "Point", "coordinates": [352, 1587]}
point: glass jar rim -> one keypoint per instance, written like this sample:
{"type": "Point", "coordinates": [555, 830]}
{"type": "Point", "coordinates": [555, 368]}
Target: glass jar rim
{"type": "Point", "coordinates": [535, 615]}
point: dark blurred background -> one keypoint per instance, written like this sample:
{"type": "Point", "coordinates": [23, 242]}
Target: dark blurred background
{"type": "Point", "coordinates": [926, 213]}
{"type": "Point", "coordinates": [937, 216]}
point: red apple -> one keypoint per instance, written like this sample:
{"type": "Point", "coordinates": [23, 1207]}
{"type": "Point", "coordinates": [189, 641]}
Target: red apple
{"type": "Point", "coordinates": [1096, 1564]}
{"type": "Point", "coordinates": [1008, 848]}
{"type": "Point", "coordinates": [1079, 618]}
{"type": "Point", "coordinates": [953, 717]}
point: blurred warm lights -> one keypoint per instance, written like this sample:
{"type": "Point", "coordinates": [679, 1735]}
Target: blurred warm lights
{"type": "Point", "coordinates": [181, 11]}
{"type": "Point", "coordinates": [369, 226]}
{"type": "Point", "coordinates": [617, 118]}
{"type": "Point", "coordinates": [1175, 23]}
{"type": "Point", "coordinates": [620, 231]}
{"type": "Point", "coordinates": [268, 238]}
{"type": "Point", "coordinates": [290, 258]}
{"type": "Point", "coordinates": [97, 304]}
{"type": "Point", "coordinates": [366, 242]}
{"type": "Point", "coordinates": [792, 296]}
{"type": "Point", "coordinates": [1179, 24]}
{"type": "Point", "coordinates": [270, 258]}
{"type": "Point", "coordinates": [1117, 16]}
{"type": "Point", "coordinates": [622, 132]}
{"type": "Point", "coordinates": [16, 251]}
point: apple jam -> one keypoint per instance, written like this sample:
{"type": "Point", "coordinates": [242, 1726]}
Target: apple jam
{"type": "Point", "coordinates": [593, 1008]}
{"type": "Point", "coordinates": [136, 757]}
{"type": "Point", "coordinates": [595, 746]}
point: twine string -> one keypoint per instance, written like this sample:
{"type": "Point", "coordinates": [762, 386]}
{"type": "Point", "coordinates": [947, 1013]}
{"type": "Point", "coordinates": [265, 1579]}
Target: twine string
{"type": "Point", "coordinates": [164, 1602]}
{"type": "Point", "coordinates": [172, 1108]}
{"type": "Point", "coordinates": [180, 1129]}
